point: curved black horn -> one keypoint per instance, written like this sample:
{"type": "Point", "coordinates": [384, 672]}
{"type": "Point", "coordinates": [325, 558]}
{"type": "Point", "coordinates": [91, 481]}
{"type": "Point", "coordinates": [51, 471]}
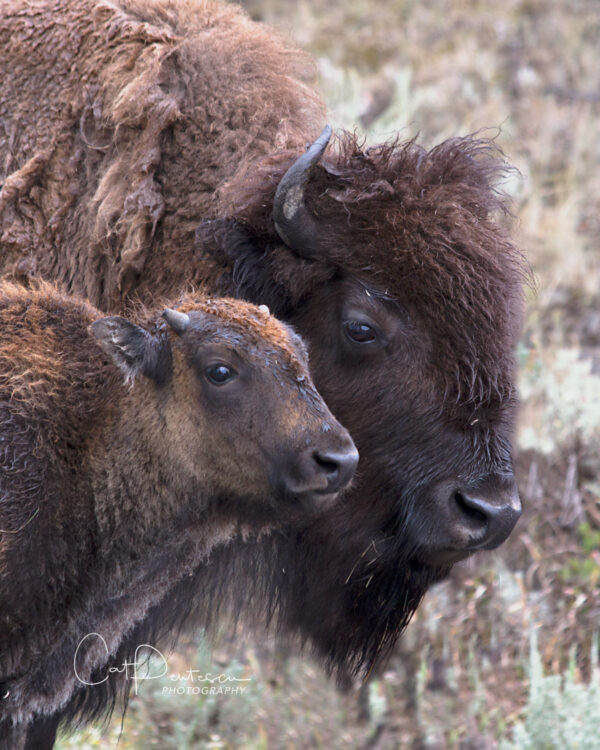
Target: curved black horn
{"type": "Point", "coordinates": [293, 222]}
{"type": "Point", "coordinates": [178, 321]}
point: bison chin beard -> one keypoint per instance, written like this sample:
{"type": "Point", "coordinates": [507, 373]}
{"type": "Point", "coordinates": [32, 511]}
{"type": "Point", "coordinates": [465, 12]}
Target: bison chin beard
{"type": "Point", "coordinates": [348, 611]}
{"type": "Point", "coordinates": [350, 619]}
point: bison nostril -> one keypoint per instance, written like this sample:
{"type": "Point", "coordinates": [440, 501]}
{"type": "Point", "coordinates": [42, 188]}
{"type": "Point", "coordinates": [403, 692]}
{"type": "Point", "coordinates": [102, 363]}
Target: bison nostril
{"type": "Point", "coordinates": [471, 507]}
{"type": "Point", "coordinates": [326, 463]}
{"type": "Point", "coordinates": [471, 516]}
{"type": "Point", "coordinates": [338, 468]}
{"type": "Point", "coordinates": [487, 514]}
{"type": "Point", "coordinates": [320, 472]}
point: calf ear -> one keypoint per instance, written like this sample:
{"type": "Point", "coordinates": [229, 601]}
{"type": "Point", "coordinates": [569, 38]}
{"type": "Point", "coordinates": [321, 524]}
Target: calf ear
{"type": "Point", "coordinates": [133, 349]}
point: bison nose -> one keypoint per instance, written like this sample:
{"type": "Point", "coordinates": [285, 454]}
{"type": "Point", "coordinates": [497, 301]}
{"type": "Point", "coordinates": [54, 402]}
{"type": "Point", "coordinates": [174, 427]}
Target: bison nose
{"type": "Point", "coordinates": [487, 512]}
{"type": "Point", "coordinates": [338, 468]}
{"type": "Point", "coordinates": [315, 474]}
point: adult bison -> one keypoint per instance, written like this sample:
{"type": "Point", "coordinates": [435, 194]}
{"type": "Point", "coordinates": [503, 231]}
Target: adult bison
{"type": "Point", "coordinates": [119, 473]}
{"type": "Point", "coordinates": [153, 144]}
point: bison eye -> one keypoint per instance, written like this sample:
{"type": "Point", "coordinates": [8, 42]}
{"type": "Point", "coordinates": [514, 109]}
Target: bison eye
{"type": "Point", "coordinates": [359, 331]}
{"type": "Point", "coordinates": [220, 374]}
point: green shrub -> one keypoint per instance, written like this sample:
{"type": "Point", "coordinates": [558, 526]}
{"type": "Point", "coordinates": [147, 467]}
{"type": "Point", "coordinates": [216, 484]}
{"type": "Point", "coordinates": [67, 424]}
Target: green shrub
{"type": "Point", "coordinates": [583, 572]}
{"type": "Point", "coordinates": [561, 714]}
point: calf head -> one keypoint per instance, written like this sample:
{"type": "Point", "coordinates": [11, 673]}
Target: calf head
{"type": "Point", "coordinates": [234, 405]}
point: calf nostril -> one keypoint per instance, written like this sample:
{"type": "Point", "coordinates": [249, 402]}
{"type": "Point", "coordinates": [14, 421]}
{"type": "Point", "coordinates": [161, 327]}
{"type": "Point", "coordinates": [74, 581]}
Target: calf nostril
{"type": "Point", "coordinates": [471, 507]}
{"type": "Point", "coordinates": [338, 468]}
{"type": "Point", "coordinates": [326, 463]}
{"type": "Point", "coordinates": [319, 472]}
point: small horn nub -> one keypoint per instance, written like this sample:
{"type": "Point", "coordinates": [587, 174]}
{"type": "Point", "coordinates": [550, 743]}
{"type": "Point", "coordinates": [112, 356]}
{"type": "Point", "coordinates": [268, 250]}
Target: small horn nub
{"type": "Point", "coordinates": [293, 222]}
{"type": "Point", "coordinates": [178, 321]}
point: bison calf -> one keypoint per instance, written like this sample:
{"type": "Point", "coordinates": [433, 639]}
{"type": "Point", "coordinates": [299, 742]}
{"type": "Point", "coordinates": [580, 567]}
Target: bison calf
{"type": "Point", "coordinates": [122, 465]}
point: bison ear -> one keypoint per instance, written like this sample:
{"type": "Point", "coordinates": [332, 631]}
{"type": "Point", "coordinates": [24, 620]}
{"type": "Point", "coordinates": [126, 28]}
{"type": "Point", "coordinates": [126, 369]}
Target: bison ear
{"type": "Point", "coordinates": [227, 240]}
{"type": "Point", "coordinates": [234, 245]}
{"type": "Point", "coordinates": [133, 349]}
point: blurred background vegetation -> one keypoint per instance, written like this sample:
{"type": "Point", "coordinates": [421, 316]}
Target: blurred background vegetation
{"type": "Point", "coordinates": [504, 654]}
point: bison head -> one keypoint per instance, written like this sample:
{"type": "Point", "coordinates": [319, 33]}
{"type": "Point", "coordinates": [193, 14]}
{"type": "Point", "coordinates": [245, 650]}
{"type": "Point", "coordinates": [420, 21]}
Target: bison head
{"type": "Point", "coordinates": [227, 395]}
{"type": "Point", "coordinates": [394, 264]}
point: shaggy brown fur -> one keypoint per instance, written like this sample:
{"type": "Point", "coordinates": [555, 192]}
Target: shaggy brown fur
{"type": "Point", "coordinates": [144, 144]}
{"type": "Point", "coordinates": [419, 228]}
{"type": "Point", "coordinates": [100, 100]}
{"type": "Point", "coordinates": [111, 492]}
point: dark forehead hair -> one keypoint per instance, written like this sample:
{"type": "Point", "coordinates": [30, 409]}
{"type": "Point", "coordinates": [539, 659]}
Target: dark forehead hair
{"type": "Point", "coordinates": [424, 228]}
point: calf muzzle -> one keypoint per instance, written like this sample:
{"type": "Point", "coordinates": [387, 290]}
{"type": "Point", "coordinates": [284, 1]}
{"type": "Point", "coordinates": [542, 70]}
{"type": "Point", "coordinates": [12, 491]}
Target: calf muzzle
{"type": "Point", "coordinates": [317, 474]}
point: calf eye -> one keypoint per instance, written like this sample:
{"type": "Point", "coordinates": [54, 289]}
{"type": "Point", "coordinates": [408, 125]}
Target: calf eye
{"type": "Point", "coordinates": [360, 332]}
{"type": "Point", "coordinates": [220, 374]}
